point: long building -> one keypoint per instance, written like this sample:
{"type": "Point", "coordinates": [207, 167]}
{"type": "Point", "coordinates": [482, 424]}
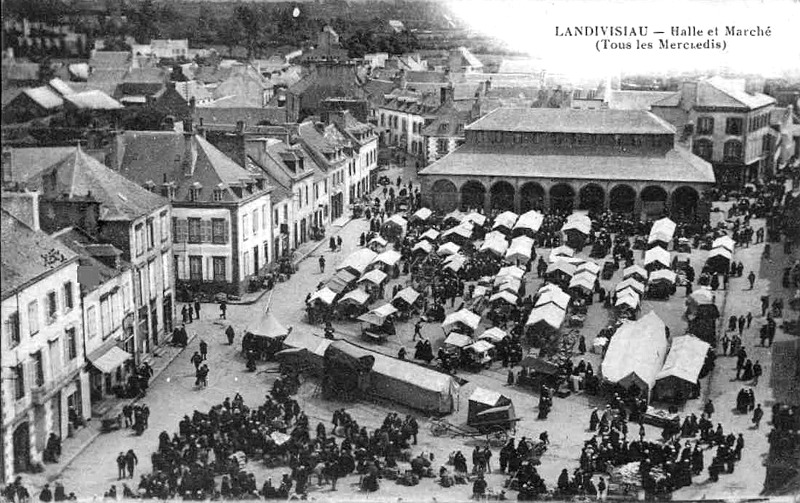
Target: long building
{"type": "Point", "coordinates": [520, 159]}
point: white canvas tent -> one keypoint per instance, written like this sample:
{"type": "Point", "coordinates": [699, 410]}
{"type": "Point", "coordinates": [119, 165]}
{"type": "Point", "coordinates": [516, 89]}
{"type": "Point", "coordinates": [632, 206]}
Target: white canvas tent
{"type": "Point", "coordinates": [267, 325]}
{"type": "Point", "coordinates": [377, 242]}
{"type": "Point", "coordinates": [724, 242]}
{"type": "Point", "coordinates": [531, 221]}
{"type": "Point", "coordinates": [357, 297]}
{"type": "Point", "coordinates": [424, 246]}
{"type": "Point", "coordinates": [375, 276]}
{"type": "Point", "coordinates": [455, 215]}
{"type": "Point", "coordinates": [465, 317]}
{"type": "Point", "coordinates": [521, 249]}
{"type": "Point", "coordinates": [463, 231]}
{"type": "Point", "coordinates": [663, 275]}
{"type": "Point", "coordinates": [560, 252]}
{"type": "Point", "coordinates": [505, 220]}
{"type": "Point", "coordinates": [407, 295]}
{"type": "Point", "coordinates": [557, 297]}
{"type": "Point", "coordinates": [578, 222]}
{"type": "Point", "coordinates": [636, 353]}
{"type": "Point", "coordinates": [430, 235]}
{"type": "Point", "coordinates": [561, 266]}
{"type": "Point", "coordinates": [422, 214]}
{"type": "Point", "coordinates": [549, 314]}
{"type": "Point", "coordinates": [678, 377]}
{"type": "Point", "coordinates": [324, 295]}
{"type": "Point", "coordinates": [505, 296]}
{"type": "Point", "coordinates": [657, 255]}
{"type": "Point", "coordinates": [493, 335]}
{"type": "Point", "coordinates": [457, 340]}
{"type": "Point", "coordinates": [495, 244]}
{"type": "Point", "coordinates": [413, 385]}
{"type": "Point", "coordinates": [627, 298]}
{"type": "Point", "coordinates": [635, 270]}
{"type": "Point", "coordinates": [358, 261]}
{"type": "Point", "coordinates": [475, 218]}
{"type": "Point", "coordinates": [663, 230]}
{"type": "Point", "coordinates": [389, 257]}
{"type": "Point", "coordinates": [448, 249]}
{"type": "Point", "coordinates": [455, 262]}
{"type": "Point", "coordinates": [630, 283]}
{"type": "Point", "coordinates": [512, 271]}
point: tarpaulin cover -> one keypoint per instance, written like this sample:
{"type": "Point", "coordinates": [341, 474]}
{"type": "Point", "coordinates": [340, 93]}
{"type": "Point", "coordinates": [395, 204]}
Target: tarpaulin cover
{"type": "Point", "coordinates": [657, 254]}
{"type": "Point", "coordinates": [326, 296]}
{"type": "Point", "coordinates": [455, 215]}
{"type": "Point", "coordinates": [630, 283]}
{"type": "Point", "coordinates": [267, 326]}
{"type": "Point", "coordinates": [561, 251]}
{"type": "Point", "coordinates": [389, 257]}
{"type": "Point", "coordinates": [397, 221]}
{"type": "Point", "coordinates": [465, 317]}
{"type": "Point", "coordinates": [589, 266]}
{"type": "Point", "coordinates": [448, 249]}
{"type": "Point", "coordinates": [512, 270]}
{"type": "Point", "coordinates": [424, 246]}
{"type": "Point", "coordinates": [342, 353]}
{"type": "Point", "coordinates": [483, 400]}
{"type": "Point", "coordinates": [413, 385]}
{"type": "Point", "coordinates": [495, 242]}
{"type": "Point", "coordinates": [663, 275]}
{"type": "Point", "coordinates": [358, 297]}
{"type": "Point", "coordinates": [110, 360]}
{"type": "Point", "coordinates": [628, 298]}
{"type": "Point", "coordinates": [510, 284]}
{"type": "Point", "coordinates": [635, 270]}
{"type": "Point", "coordinates": [407, 295]}
{"type": "Point", "coordinates": [662, 230]}
{"type": "Point", "coordinates": [521, 249]}
{"type": "Point", "coordinates": [636, 353]}
{"type": "Point", "coordinates": [724, 242]}
{"type": "Point", "coordinates": [476, 218]}
{"type": "Point", "coordinates": [550, 314]}
{"type": "Point", "coordinates": [582, 282]}
{"type": "Point", "coordinates": [358, 261]}
{"type": "Point", "coordinates": [457, 339]}
{"type": "Point", "coordinates": [430, 235]}
{"type": "Point", "coordinates": [480, 346]}
{"type": "Point", "coordinates": [531, 220]}
{"type": "Point", "coordinates": [561, 266]}
{"type": "Point", "coordinates": [505, 220]}
{"type": "Point", "coordinates": [494, 334]}
{"type": "Point", "coordinates": [554, 296]}
{"type": "Point", "coordinates": [375, 276]}
{"type": "Point", "coordinates": [378, 315]}
{"type": "Point", "coordinates": [313, 345]}
{"type": "Point", "coordinates": [685, 359]}
{"type": "Point", "coordinates": [422, 214]}
{"type": "Point", "coordinates": [455, 263]}
{"type": "Point", "coordinates": [720, 252]}
{"type": "Point", "coordinates": [504, 296]}
{"type": "Point", "coordinates": [377, 240]}
{"type": "Point", "coordinates": [702, 296]}
{"type": "Point", "coordinates": [341, 281]}
{"type": "Point", "coordinates": [578, 222]}
{"type": "Point", "coordinates": [463, 230]}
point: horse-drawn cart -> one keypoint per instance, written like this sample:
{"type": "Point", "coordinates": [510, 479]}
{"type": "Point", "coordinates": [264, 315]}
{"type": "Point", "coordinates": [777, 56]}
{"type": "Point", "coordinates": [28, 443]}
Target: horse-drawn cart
{"type": "Point", "coordinates": [490, 414]}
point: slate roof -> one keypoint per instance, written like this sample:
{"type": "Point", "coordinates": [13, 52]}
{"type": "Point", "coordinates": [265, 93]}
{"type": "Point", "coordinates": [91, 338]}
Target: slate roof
{"type": "Point", "coordinates": [87, 248]}
{"type": "Point", "coordinates": [29, 162]}
{"type": "Point", "coordinates": [79, 175]}
{"type": "Point", "coordinates": [110, 59]}
{"type": "Point", "coordinates": [447, 122]}
{"type": "Point", "coordinates": [675, 165]}
{"type": "Point", "coordinates": [635, 100]}
{"type": "Point", "coordinates": [154, 155]}
{"type": "Point", "coordinates": [60, 86]}
{"type": "Point", "coordinates": [17, 71]}
{"type": "Point", "coordinates": [720, 93]}
{"type": "Point", "coordinates": [564, 120]}
{"type": "Point", "coordinates": [93, 100]}
{"type": "Point", "coordinates": [145, 76]}
{"type": "Point", "coordinates": [216, 113]}
{"type": "Point", "coordinates": [30, 255]}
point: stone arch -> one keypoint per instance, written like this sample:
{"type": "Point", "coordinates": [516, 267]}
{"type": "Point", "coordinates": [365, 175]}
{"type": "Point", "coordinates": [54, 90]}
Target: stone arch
{"type": "Point", "coordinates": [531, 197]}
{"type": "Point", "coordinates": [684, 203]}
{"type": "Point", "coordinates": [502, 196]}
{"type": "Point", "coordinates": [591, 197]}
{"type": "Point", "coordinates": [444, 195]}
{"type": "Point", "coordinates": [622, 199]}
{"type": "Point", "coordinates": [473, 195]}
{"type": "Point", "coordinates": [562, 197]}
{"type": "Point", "coordinates": [654, 201]}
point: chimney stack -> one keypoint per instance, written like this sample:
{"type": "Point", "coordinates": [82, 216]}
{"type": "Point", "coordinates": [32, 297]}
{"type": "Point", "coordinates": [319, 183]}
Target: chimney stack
{"type": "Point", "coordinates": [447, 93]}
{"type": "Point", "coordinates": [688, 95]}
{"type": "Point", "coordinates": [189, 153]}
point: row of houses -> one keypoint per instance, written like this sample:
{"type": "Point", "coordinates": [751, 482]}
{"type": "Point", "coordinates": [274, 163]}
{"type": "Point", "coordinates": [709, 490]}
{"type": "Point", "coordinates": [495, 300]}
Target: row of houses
{"type": "Point", "coordinates": [107, 242]}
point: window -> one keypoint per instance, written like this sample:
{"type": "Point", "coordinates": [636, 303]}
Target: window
{"type": "Point", "coordinates": [38, 369]}
{"type": "Point", "coordinates": [52, 307]}
{"type": "Point", "coordinates": [194, 230]}
{"type": "Point", "coordinates": [219, 231]}
{"type": "Point", "coordinates": [264, 217]}
{"type": "Point", "coordinates": [217, 195]}
{"type": "Point", "coordinates": [705, 125]}
{"type": "Point", "coordinates": [105, 316]}
{"type": "Point", "coordinates": [151, 234]}
{"type": "Point", "coordinates": [68, 299]}
{"type": "Point", "coordinates": [164, 271]}
{"type": "Point", "coordinates": [704, 149]}
{"type": "Point", "coordinates": [732, 151]}
{"type": "Point", "coordinates": [275, 217]}
{"type": "Point", "coordinates": [152, 278]}
{"type": "Point", "coordinates": [340, 176]}
{"type": "Point", "coordinates": [442, 146]}
{"type": "Point", "coordinates": [116, 319]}
{"type": "Point", "coordinates": [255, 222]}
{"type": "Point", "coordinates": [19, 381]}
{"type": "Point", "coordinates": [246, 227]}
{"type": "Point", "coordinates": [164, 227]}
{"type": "Point", "coordinates": [12, 324]}
{"type": "Point", "coordinates": [33, 317]}
{"type": "Point", "coordinates": [247, 265]}
{"type": "Point", "coordinates": [733, 125]}
{"type": "Point", "coordinates": [140, 285]}
{"type": "Point", "coordinates": [195, 268]}
{"type": "Point", "coordinates": [72, 344]}
{"type": "Point", "coordinates": [139, 237]}
{"type": "Point", "coordinates": [177, 262]}
{"type": "Point", "coordinates": [91, 322]}
{"type": "Point", "coordinates": [220, 273]}
{"type": "Point", "coordinates": [194, 194]}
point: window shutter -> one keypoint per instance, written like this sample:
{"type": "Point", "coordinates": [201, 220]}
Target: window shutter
{"type": "Point", "coordinates": [183, 230]}
{"type": "Point", "coordinates": [205, 231]}
{"type": "Point", "coordinates": [225, 232]}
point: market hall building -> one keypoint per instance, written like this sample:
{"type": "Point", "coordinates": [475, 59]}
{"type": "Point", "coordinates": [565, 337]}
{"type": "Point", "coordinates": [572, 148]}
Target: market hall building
{"type": "Point", "coordinates": [520, 159]}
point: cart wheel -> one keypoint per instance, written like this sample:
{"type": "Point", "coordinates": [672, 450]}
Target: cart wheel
{"type": "Point", "coordinates": [438, 429]}
{"type": "Point", "coordinates": [498, 437]}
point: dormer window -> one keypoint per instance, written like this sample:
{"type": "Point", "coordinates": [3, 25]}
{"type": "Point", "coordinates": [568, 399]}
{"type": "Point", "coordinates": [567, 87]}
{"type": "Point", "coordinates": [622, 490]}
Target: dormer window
{"type": "Point", "coordinates": [150, 185]}
{"type": "Point", "coordinates": [168, 191]}
{"type": "Point", "coordinates": [194, 192]}
{"type": "Point", "coordinates": [218, 194]}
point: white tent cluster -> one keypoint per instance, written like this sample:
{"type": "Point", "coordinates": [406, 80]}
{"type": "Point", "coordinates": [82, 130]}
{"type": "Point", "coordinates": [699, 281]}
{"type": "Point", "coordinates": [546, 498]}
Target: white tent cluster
{"type": "Point", "coordinates": [721, 254]}
{"type": "Point", "coordinates": [585, 277]}
{"type": "Point", "coordinates": [661, 233]}
{"type": "Point", "coordinates": [550, 308]}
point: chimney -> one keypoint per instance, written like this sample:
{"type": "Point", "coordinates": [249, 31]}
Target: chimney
{"type": "Point", "coordinates": [447, 93]}
{"type": "Point", "coordinates": [24, 206]}
{"type": "Point", "coordinates": [7, 167]}
{"type": "Point", "coordinates": [688, 95]}
{"type": "Point", "coordinates": [400, 80]}
{"type": "Point", "coordinates": [189, 153]}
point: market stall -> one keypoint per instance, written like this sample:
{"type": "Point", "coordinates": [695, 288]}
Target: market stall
{"type": "Point", "coordinates": [448, 248]}
{"type": "Point", "coordinates": [636, 354]}
{"type": "Point", "coordinates": [394, 227]}
{"type": "Point", "coordinates": [576, 230]}
{"type": "Point", "coordinates": [679, 377]}
{"type": "Point", "coordinates": [504, 222]}
{"type": "Point", "coordinates": [657, 258]}
{"type": "Point", "coordinates": [378, 324]}
{"type": "Point", "coordinates": [377, 244]}
{"type": "Point", "coordinates": [464, 321]}
{"type": "Point", "coordinates": [520, 250]}
{"type": "Point", "coordinates": [636, 272]}
{"type": "Point", "coordinates": [264, 336]}
{"type": "Point", "coordinates": [528, 224]}
{"type": "Point", "coordinates": [430, 235]}
{"type": "Point", "coordinates": [661, 284]}
{"type": "Point", "coordinates": [357, 262]}
{"type": "Point", "coordinates": [353, 304]}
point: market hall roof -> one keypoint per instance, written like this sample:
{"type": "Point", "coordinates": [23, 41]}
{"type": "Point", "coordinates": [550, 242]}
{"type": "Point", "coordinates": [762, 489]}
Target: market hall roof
{"type": "Point", "coordinates": [675, 165]}
{"type": "Point", "coordinates": [565, 120]}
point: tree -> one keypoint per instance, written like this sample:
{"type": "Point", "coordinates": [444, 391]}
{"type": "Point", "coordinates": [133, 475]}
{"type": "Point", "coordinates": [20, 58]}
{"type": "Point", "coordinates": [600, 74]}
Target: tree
{"type": "Point", "coordinates": [144, 22]}
{"type": "Point", "coordinates": [231, 33]}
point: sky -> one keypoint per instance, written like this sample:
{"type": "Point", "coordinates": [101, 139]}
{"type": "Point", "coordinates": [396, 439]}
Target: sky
{"type": "Point", "coordinates": [530, 26]}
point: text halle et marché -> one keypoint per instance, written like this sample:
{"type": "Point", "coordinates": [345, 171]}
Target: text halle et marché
{"type": "Point", "coordinates": [642, 31]}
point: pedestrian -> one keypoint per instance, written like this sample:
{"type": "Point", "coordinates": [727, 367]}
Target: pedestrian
{"type": "Point", "coordinates": [127, 412]}
{"type": "Point", "coordinates": [749, 318]}
{"type": "Point", "coordinates": [131, 461]}
{"type": "Point", "coordinates": [185, 314]}
{"type": "Point", "coordinates": [582, 345]}
{"type": "Point", "coordinates": [709, 408]}
{"type": "Point", "coordinates": [197, 360]}
{"type": "Point", "coordinates": [757, 415]}
{"type": "Point", "coordinates": [121, 465]}
{"type": "Point", "coordinates": [339, 242]}
{"type": "Point", "coordinates": [332, 244]}
{"type": "Point", "coordinates": [197, 308]}
{"type": "Point", "coordinates": [46, 495]}
{"type": "Point", "coordinates": [223, 308]}
{"type": "Point", "coordinates": [204, 349]}
{"type": "Point", "coordinates": [417, 330]}
{"type": "Point", "coordinates": [751, 278]}
{"type": "Point", "coordinates": [229, 333]}
{"type": "Point", "coordinates": [725, 343]}
{"type": "Point", "coordinates": [757, 371]}
{"type": "Point", "coordinates": [401, 354]}
{"type": "Point", "coordinates": [601, 489]}
{"type": "Point", "coordinates": [764, 304]}
{"type": "Point", "coordinates": [190, 312]}
{"type": "Point", "coordinates": [321, 264]}
{"type": "Point", "coordinates": [742, 323]}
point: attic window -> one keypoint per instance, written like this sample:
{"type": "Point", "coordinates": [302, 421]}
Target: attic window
{"type": "Point", "coordinates": [168, 191]}
{"type": "Point", "coordinates": [194, 192]}
{"type": "Point", "coordinates": [443, 127]}
{"type": "Point", "coordinates": [218, 194]}
{"type": "Point", "coordinates": [150, 185]}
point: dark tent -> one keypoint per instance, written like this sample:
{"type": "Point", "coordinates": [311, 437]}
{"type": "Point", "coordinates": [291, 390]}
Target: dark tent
{"type": "Point", "coordinates": [347, 370]}
{"type": "Point", "coordinates": [482, 400]}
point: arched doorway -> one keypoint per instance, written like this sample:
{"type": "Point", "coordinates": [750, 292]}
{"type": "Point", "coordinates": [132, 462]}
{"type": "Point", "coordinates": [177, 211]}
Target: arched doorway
{"type": "Point", "coordinates": [654, 201]}
{"type": "Point", "coordinates": [684, 203]}
{"type": "Point", "coordinates": [562, 198]}
{"type": "Point", "coordinates": [22, 448]}
{"type": "Point", "coordinates": [502, 196]}
{"type": "Point", "coordinates": [622, 199]}
{"type": "Point", "coordinates": [473, 194]}
{"type": "Point", "coordinates": [444, 196]}
{"type": "Point", "coordinates": [531, 197]}
{"type": "Point", "coordinates": [591, 197]}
